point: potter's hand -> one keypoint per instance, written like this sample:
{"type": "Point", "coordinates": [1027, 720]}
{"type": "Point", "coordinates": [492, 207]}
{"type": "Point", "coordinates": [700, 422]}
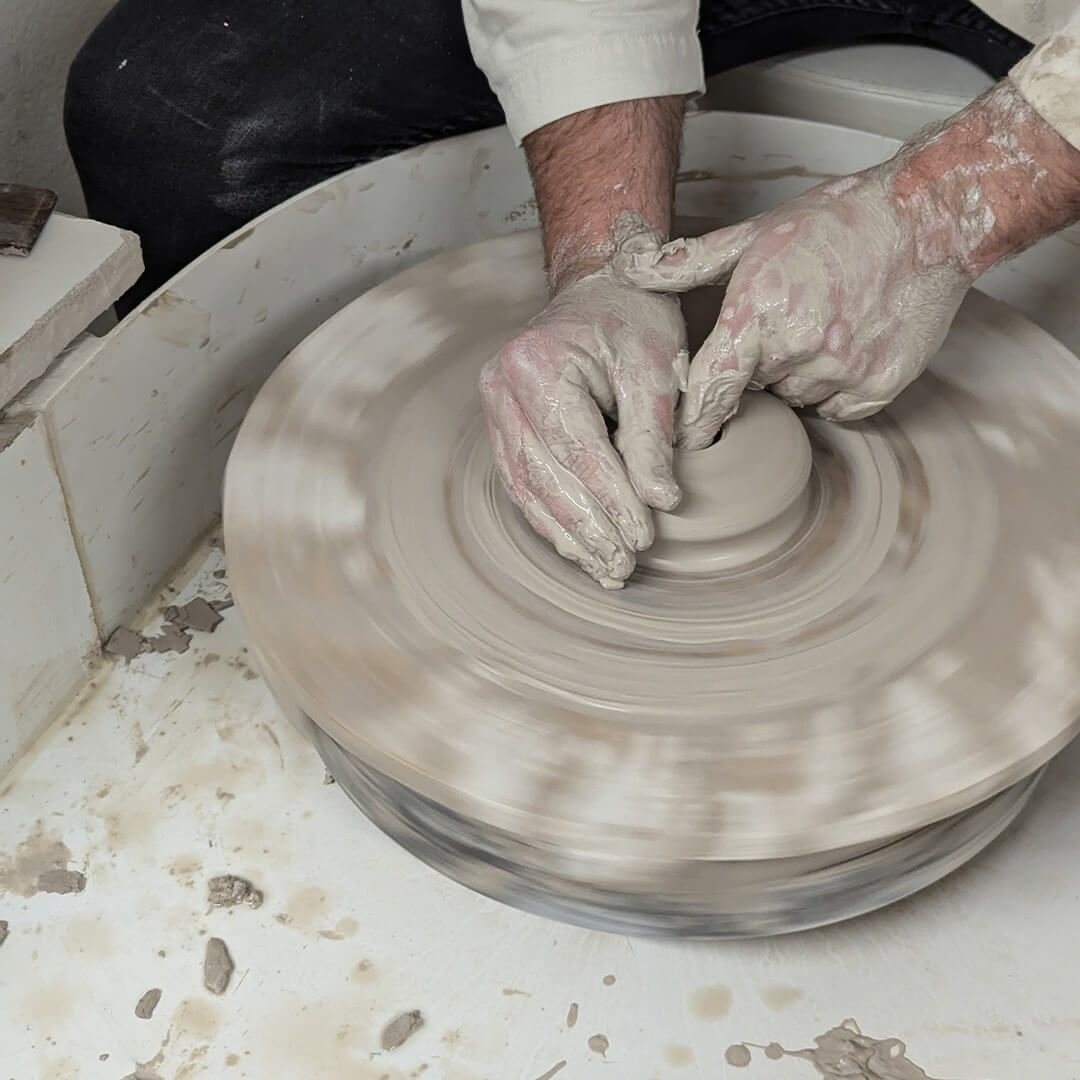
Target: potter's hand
{"type": "Point", "coordinates": [831, 301]}
{"type": "Point", "coordinates": [840, 298]}
{"type": "Point", "coordinates": [600, 347]}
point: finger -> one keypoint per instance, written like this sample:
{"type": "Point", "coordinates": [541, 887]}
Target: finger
{"type": "Point", "coordinates": [799, 390]}
{"type": "Point", "coordinates": [682, 265]}
{"type": "Point", "coordinates": [575, 433]}
{"type": "Point", "coordinates": [847, 405]}
{"type": "Point", "coordinates": [554, 518]}
{"type": "Point", "coordinates": [647, 380]}
{"type": "Point", "coordinates": [719, 374]}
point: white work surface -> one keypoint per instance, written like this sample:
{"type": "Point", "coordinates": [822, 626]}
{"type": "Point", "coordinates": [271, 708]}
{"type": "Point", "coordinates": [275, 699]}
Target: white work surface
{"type": "Point", "coordinates": [75, 271]}
{"type": "Point", "coordinates": [178, 767]}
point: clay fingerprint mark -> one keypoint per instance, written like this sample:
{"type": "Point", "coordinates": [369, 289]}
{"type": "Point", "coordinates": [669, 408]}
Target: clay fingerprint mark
{"type": "Point", "coordinates": [599, 1044]}
{"type": "Point", "coordinates": [571, 1015]}
{"type": "Point", "coordinates": [401, 1029]}
{"type": "Point", "coordinates": [842, 1052]}
{"type": "Point", "coordinates": [39, 865]}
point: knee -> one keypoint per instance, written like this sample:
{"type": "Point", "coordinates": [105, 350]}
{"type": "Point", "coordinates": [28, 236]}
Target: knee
{"type": "Point", "coordinates": [98, 97]}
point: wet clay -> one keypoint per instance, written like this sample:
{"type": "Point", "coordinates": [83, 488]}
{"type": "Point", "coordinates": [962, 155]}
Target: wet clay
{"type": "Point", "coordinates": [147, 1004]}
{"type": "Point", "coordinates": [737, 1055]}
{"type": "Point", "coordinates": [660, 753]}
{"type": "Point", "coordinates": [599, 1044]}
{"type": "Point", "coordinates": [557, 1067]}
{"type": "Point", "coordinates": [400, 1029]}
{"type": "Point", "coordinates": [218, 966]}
{"type": "Point", "coordinates": [843, 1052]}
{"type": "Point", "coordinates": [228, 890]}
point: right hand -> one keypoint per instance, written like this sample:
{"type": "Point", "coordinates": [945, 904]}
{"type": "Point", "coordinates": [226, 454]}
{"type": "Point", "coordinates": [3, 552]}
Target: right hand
{"type": "Point", "coordinates": [601, 346]}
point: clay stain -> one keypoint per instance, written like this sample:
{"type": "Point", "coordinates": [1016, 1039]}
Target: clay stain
{"type": "Point", "coordinates": [679, 1055]}
{"type": "Point", "coordinates": [609, 980]}
{"type": "Point", "coordinates": [363, 972]}
{"type": "Point", "coordinates": [780, 997]}
{"type": "Point", "coordinates": [39, 865]}
{"type": "Point", "coordinates": [571, 1016]}
{"type": "Point", "coordinates": [510, 991]}
{"type": "Point", "coordinates": [711, 1002]}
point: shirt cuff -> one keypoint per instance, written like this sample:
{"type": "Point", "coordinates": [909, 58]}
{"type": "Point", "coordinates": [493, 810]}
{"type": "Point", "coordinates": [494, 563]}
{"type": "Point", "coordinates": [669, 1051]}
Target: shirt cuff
{"type": "Point", "coordinates": [546, 87]}
{"type": "Point", "coordinates": [1049, 80]}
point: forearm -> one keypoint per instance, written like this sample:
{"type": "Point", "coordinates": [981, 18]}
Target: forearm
{"type": "Point", "coordinates": [592, 167]}
{"type": "Point", "coordinates": [991, 181]}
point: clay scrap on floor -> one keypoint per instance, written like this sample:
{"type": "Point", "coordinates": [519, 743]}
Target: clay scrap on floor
{"type": "Point", "coordinates": [59, 880]}
{"type": "Point", "coordinates": [200, 614]}
{"type": "Point", "coordinates": [147, 1004]}
{"type": "Point", "coordinates": [217, 967]}
{"type": "Point", "coordinates": [400, 1029]}
{"type": "Point", "coordinates": [228, 890]}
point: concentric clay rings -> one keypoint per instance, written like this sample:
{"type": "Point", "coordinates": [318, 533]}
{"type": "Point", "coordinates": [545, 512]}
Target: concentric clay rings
{"type": "Point", "coordinates": [834, 677]}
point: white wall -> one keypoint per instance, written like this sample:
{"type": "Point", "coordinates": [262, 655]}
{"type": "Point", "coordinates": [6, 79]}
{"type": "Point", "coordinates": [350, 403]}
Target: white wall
{"type": "Point", "coordinates": [38, 39]}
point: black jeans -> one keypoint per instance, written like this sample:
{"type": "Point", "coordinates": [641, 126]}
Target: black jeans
{"type": "Point", "coordinates": [188, 118]}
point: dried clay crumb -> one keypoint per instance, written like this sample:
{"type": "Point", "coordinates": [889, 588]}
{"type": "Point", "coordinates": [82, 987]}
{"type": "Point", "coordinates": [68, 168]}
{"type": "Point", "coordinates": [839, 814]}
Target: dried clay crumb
{"type": "Point", "coordinates": [147, 1004]}
{"type": "Point", "coordinates": [217, 967]}
{"type": "Point", "coordinates": [126, 643]}
{"type": "Point", "coordinates": [227, 890]}
{"type": "Point", "coordinates": [59, 880]}
{"type": "Point", "coordinates": [198, 614]}
{"type": "Point", "coordinates": [400, 1029]}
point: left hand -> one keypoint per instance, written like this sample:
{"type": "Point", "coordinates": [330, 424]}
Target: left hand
{"type": "Point", "coordinates": [837, 299]}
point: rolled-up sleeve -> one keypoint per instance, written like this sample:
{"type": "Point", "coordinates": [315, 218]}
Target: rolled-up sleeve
{"type": "Point", "coordinates": [546, 59]}
{"type": "Point", "coordinates": [1049, 79]}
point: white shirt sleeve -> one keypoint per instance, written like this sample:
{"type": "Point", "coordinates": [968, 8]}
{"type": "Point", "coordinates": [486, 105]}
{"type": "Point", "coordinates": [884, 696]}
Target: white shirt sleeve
{"type": "Point", "coordinates": [1049, 78]}
{"type": "Point", "coordinates": [546, 59]}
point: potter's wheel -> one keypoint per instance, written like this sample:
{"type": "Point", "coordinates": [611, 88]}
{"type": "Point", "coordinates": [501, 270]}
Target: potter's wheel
{"type": "Point", "coordinates": [833, 680]}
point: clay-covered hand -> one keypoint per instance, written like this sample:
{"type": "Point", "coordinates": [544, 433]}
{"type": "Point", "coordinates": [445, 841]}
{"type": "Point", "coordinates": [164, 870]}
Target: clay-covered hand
{"type": "Point", "coordinates": [600, 347]}
{"type": "Point", "coordinates": [837, 299]}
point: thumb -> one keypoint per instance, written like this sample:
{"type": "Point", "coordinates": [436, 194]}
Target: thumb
{"type": "Point", "coordinates": [682, 265]}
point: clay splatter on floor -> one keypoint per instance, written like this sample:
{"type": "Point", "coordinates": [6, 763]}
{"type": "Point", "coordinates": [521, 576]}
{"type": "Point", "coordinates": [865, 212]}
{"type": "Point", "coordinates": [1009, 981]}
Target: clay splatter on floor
{"type": "Point", "coordinates": [39, 864]}
{"type": "Point", "coordinates": [148, 1003]}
